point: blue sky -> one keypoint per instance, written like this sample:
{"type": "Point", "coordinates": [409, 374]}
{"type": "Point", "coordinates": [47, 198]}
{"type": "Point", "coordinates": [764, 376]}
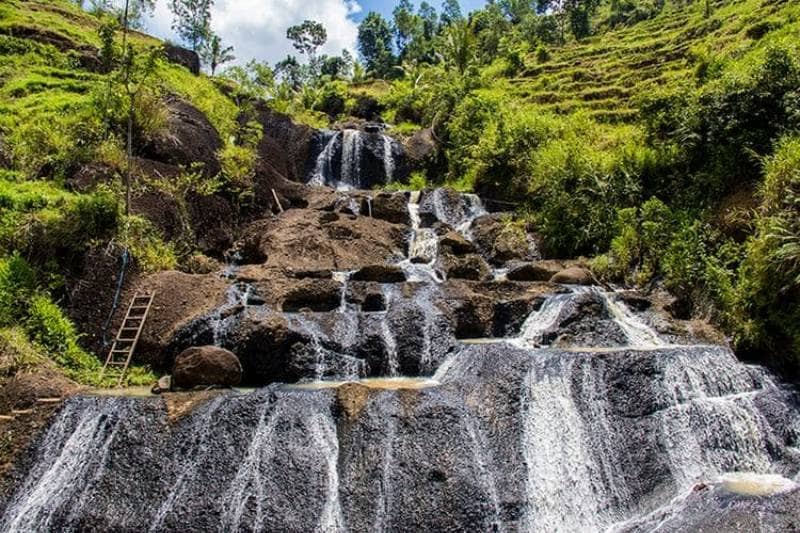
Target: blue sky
{"type": "Point", "coordinates": [385, 8]}
{"type": "Point", "coordinates": [257, 28]}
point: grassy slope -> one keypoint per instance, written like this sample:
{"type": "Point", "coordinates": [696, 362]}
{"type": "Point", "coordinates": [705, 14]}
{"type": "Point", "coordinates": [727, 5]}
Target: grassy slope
{"type": "Point", "coordinates": [42, 75]}
{"type": "Point", "coordinates": [604, 74]}
{"type": "Point", "coordinates": [44, 85]}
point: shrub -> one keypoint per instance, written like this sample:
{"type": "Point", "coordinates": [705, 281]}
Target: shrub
{"type": "Point", "coordinates": [146, 245]}
{"type": "Point", "coordinates": [542, 54]}
{"type": "Point", "coordinates": [17, 285]}
{"type": "Point", "coordinates": [769, 278]}
{"type": "Point", "coordinates": [17, 352]}
{"type": "Point", "coordinates": [48, 326]}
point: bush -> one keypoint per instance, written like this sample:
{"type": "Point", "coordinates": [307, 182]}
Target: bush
{"type": "Point", "coordinates": [17, 285]}
{"type": "Point", "coordinates": [48, 326]}
{"type": "Point", "coordinates": [769, 279]}
{"type": "Point", "coordinates": [17, 352]}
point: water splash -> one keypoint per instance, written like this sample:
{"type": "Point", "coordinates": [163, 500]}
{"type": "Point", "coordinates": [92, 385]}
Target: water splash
{"type": "Point", "coordinates": [542, 321]}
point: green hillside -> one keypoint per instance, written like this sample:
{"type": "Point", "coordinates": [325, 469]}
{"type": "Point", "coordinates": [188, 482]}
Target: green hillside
{"type": "Point", "coordinates": [606, 73]}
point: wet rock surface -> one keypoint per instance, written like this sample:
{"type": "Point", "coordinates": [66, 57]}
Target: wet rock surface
{"type": "Point", "coordinates": [498, 400]}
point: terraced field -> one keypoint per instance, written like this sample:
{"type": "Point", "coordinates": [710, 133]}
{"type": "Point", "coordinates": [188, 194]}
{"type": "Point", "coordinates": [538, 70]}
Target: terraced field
{"type": "Point", "coordinates": [605, 74]}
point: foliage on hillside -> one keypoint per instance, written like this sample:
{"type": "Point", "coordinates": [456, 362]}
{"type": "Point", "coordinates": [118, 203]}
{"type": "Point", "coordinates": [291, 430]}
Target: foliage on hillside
{"type": "Point", "coordinates": [63, 106]}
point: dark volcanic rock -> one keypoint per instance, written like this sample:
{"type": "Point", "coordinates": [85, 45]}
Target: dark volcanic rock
{"type": "Point", "coordinates": [183, 56]}
{"type": "Point", "coordinates": [212, 221]}
{"type": "Point", "coordinates": [206, 366]}
{"type": "Point", "coordinates": [380, 274]}
{"type": "Point", "coordinates": [313, 295]}
{"type": "Point", "coordinates": [455, 243]}
{"type": "Point", "coordinates": [500, 242]}
{"type": "Point", "coordinates": [472, 267]}
{"type": "Point", "coordinates": [190, 138]}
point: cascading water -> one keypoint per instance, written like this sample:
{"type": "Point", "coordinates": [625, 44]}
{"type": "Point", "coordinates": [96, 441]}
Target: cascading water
{"type": "Point", "coordinates": [517, 435]}
{"type": "Point", "coordinates": [341, 162]}
{"type": "Point", "coordinates": [423, 246]}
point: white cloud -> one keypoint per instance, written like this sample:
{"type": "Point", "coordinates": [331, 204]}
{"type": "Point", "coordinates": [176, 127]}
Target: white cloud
{"type": "Point", "coordinates": [257, 28]}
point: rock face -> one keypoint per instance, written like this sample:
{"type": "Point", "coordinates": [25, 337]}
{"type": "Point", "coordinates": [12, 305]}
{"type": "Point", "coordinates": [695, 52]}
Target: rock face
{"type": "Point", "coordinates": [501, 242]}
{"type": "Point", "coordinates": [391, 207]}
{"type": "Point", "coordinates": [310, 240]}
{"type": "Point", "coordinates": [323, 458]}
{"type": "Point", "coordinates": [204, 366]}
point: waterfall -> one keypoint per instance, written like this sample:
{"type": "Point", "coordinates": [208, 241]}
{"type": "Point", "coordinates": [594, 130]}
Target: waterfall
{"type": "Point", "coordinates": [564, 488]}
{"type": "Point", "coordinates": [353, 149]}
{"type": "Point", "coordinates": [189, 468]}
{"type": "Point", "coordinates": [323, 169]}
{"type": "Point", "coordinates": [543, 320]}
{"type": "Point", "coordinates": [388, 158]}
{"type": "Point", "coordinates": [72, 456]}
{"type": "Point", "coordinates": [352, 143]}
{"type": "Point", "coordinates": [517, 435]}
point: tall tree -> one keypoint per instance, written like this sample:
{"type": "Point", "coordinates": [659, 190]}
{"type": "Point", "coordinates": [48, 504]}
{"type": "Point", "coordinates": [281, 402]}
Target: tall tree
{"type": "Point", "coordinates": [375, 44]}
{"type": "Point", "coordinates": [515, 10]}
{"type": "Point", "coordinates": [216, 54]}
{"type": "Point", "coordinates": [307, 38]}
{"type": "Point", "coordinates": [192, 21]}
{"type": "Point", "coordinates": [406, 24]}
{"type": "Point", "coordinates": [430, 20]}
{"type": "Point", "coordinates": [451, 12]}
{"type": "Point", "coordinates": [290, 71]}
{"type": "Point", "coordinates": [458, 47]}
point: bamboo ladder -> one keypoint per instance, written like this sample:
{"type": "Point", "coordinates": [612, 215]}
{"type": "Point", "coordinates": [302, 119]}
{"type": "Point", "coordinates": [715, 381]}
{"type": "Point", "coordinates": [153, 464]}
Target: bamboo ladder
{"type": "Point", "coordinates": [121, 353]}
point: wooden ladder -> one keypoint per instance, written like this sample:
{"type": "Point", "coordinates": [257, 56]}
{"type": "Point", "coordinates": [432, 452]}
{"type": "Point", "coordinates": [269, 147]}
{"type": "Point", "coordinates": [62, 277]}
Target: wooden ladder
{"type": "Point", "coordinates": [119, 357]}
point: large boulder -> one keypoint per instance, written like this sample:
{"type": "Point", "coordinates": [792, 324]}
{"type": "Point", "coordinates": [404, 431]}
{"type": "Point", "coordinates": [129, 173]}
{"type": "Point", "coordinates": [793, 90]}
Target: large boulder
{"type": "Point", "coordinates": [421, 147]}
{"type": "Point", "coordinates": [501, 242]}
{"type": "Point", "coordinates": [312, 295]}
{"type": "Point", "coordinates": [202, 366]}
{"type": "Point", "coordinates": [542, 270]}
{"type": "Point", "coordinates": [455, 243]}
{"type": "Point", "coordinates": [574, 276]}
{"type": "Point", "coordinates": [305, 239]}
{"type": "Point", "coordinates": [188, 139]}
{"type": "Point", "coordinates": [472, 267]}
{"type": "Point", "coordinates": [182, 56]}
